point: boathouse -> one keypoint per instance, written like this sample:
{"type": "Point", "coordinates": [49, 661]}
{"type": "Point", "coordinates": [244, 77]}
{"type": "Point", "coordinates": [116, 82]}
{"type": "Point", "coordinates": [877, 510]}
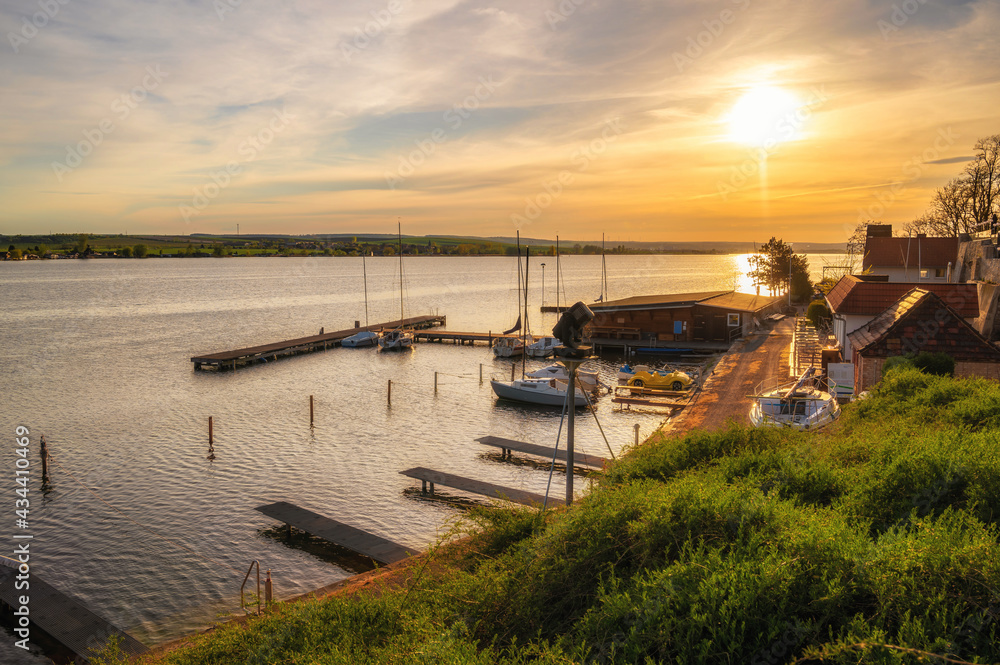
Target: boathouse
{"type": "Point", "coordinates": [920, 321]}
{"type": "Point", "coordinates": [857, 299]}
{"type": "Point", "coordinates": [709, 316]}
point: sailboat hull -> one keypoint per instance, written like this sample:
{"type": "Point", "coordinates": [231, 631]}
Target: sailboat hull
{"type": "Point", "coordinates": [535, 392]}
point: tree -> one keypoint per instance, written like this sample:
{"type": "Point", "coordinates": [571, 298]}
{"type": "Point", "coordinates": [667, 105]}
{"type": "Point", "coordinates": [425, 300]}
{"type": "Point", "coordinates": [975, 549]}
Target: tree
{"type": "Point", "coordinates": [126, 252]}
{"type": "Point", "coordinates": [82, 244]}
{"type": "Point", "coordinates": [140, 251]}
{"type": "Point", "coordinates": [777, 267]}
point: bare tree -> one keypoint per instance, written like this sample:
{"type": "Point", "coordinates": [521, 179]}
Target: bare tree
{"type": "Point", "coordinates": [982, 178]}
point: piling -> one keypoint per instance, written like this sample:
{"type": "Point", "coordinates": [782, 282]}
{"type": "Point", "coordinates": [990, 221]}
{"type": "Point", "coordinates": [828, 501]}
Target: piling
{"type": "Point", "coordinates": [512, 372]}
{"type": "Point", "coordinates": [268, 590]}
{"type": "Point", "coordinates": [45, 460]}
{"type": "Point", "coordinates": [480, 373]}
{"type": "Point", "coordinates": [211, 439]}
{"type": "Point", "coordinates": [636, 427]}
{"type": "Point", "coordinates": [389, 393]}
{"type": "Point", "coordinates": [435, 383]}
{"type": "Point", "coordinates": [311, 411]}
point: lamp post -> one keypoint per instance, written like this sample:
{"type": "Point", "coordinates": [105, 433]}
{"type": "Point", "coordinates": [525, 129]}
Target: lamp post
{"type": "Point", "coordinates": [543, 285]}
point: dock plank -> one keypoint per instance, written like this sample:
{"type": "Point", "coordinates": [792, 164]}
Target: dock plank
{"type": "Point", "coordinates": [64, 619]}
{"type": "Point", "coordinates": [378, 548]}
{"type": "Point", "coordinates": [579, 459]}
{"type": "Point", "coordinates": [474, 486]}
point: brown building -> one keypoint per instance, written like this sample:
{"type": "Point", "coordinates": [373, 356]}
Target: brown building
{"type": "Point", "coordinates": [920, 321]}
{"type": "Point", "coordinates": [711, 316]}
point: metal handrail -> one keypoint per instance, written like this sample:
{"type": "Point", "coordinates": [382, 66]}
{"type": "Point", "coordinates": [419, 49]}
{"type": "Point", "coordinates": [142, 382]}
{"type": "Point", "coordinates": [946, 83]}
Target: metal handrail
{"type": "Point", "coordinates": [245, 578]}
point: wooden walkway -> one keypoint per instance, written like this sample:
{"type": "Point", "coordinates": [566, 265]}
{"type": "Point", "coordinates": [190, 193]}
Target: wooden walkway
{"type": "Point", "coordinates": [378, 548]}
{"type": "Point", "coordinates": [442, 336]}
{"type": "Point", "coordinates": [507, 445]}
{"type": "Point", "coordinates": [432, 477]}
{"type": "Point", "coordinates": [62, 618]}
{"type": "Point", "coordinates": [268, 352]}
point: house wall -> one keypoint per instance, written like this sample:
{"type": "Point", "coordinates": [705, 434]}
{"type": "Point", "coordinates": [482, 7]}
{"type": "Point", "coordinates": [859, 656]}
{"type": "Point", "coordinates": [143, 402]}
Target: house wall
{"type": "Point", "coordinates": [912, 273]}
{"type": "Point", "coordinates": [844, 325]}
{"type": "Point", "coordinates": [657, 322]}
{"type": "Point", "coordinates": [868, 371]}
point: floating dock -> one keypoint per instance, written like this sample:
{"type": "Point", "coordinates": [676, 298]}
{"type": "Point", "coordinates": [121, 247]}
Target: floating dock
{"type": "Point", "coordinates": [62, 618]}
{"type": "Point", "coordinates": [375, 547]}
{"type": "Point", "coordinates": [431, 477]}
{"type": "Point", "coordinates": [442, 336]}
{"type": "Point", "coordinates": [269, 352]}
{"type": "Point", "coordinates": [508, 445]}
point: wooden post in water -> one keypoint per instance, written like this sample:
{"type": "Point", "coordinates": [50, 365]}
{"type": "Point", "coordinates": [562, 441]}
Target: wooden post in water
{"type": "Point", "coordinates": [45, 460]}
{"type": "Point", "coordinates": [480, 373]}
{"type": "Point", "coordinates": [636, 426]}
{"type": "Point", "coordinates": [311, 411]}
{"type": "Point", "coordinates": [389, 393]}
{"type": "Point", "coordinates": [211, 440]}
{"type": "Point", "coordinates": [435, 383]}
{"type": "Point", "coordinates": [511, 372]}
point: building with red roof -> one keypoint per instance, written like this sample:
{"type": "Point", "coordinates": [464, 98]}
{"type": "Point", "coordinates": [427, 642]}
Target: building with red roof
{"type": "Point", "coordinates": [914, 259]}
{"type": "Point", "coordinates": [857, 299]}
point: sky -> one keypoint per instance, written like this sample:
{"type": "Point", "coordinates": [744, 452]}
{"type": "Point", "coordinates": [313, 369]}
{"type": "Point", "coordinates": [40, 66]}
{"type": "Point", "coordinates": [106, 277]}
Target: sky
{"type": "Point", "coordinates": [643, 120]}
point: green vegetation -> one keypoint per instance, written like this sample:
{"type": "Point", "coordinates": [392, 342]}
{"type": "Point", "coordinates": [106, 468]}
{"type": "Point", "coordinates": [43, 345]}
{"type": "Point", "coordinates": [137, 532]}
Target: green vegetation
{"type": "Point", "coordinates": [781, 270]}
{"type": "Point", "coordinates": [818, 313]}
{"type": "Point", "coordinates": [940, 364]}
{"type": "Point", "coordinates": [874, 541]}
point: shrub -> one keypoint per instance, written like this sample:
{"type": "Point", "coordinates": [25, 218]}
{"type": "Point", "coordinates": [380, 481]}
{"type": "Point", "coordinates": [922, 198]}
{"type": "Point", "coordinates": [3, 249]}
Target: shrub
{"type": "Point", "coordinates": [818, 313]}
{"type": "Point", "coordinates": [938, 363]}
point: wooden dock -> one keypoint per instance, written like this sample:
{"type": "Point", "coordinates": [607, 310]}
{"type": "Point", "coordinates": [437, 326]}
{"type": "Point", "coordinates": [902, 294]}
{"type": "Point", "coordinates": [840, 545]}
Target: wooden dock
{"type": "Point", "coordinates": [375, 547]}
{"type": "Point", "coordinates": [62, 618]}
{"type": "Point", "coordinates": [508, 445]}
{"type": "Point", "coordinates": [270, 352]}
{"type": "Point", "coordinates": [442, 336]}
{"type": "Point", "coordinates": [431, 477]}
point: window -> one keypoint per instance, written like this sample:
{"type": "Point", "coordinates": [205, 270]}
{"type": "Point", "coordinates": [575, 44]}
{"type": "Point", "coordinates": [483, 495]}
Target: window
{"type": "Point", "coordinates": [924, 274]}
{"type": "Point", "coordinates": [939, 272]}
{"type": "Point", "coordinates": [734, 320]}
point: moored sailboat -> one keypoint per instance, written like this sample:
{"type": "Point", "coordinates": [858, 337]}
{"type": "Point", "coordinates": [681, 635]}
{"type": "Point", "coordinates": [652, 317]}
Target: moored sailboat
{"type": "Point", "coordinates": [400, 338]}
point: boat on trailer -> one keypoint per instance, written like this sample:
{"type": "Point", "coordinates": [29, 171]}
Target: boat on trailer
{"type": "Point", "coordinates": [798, 404]}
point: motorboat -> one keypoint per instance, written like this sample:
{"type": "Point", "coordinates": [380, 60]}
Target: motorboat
{"type": "Point", "coordinates": [585, 378]}
{"type": "Point", "coordinates": [546, 392]}
{"type": "Point", "coordinates": [396, 340]}
{"type": "Point", "coordinates": [797, 404]}
{"type": "Point", "coordinates": [542, 347]}
{"type": "Point", "coordinates": [361, 339]}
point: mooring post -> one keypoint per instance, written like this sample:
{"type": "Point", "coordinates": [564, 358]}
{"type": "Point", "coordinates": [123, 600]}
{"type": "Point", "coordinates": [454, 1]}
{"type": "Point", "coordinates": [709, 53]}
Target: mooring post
{"type": "Point", "coordinates": [480, 373]}
{"type": "Point", "coordinates": [311, 411]}
{"type": "Point", "coordinates": [636, 426]}
{"type": "Point", "coordinates": [234, 364]}
{"type": "Point", "coordinates": [389, 393]}
{"type": "Point", "coordinates": [435, 383]}
{"type": "Point", "coordinates": [211, 439]}
{"type": "Point", "coordinates": [268, 590]}
{"type": "Point", "coordinates": [45, 460]}
{"type": "Point", "coordinates": [512, 372]}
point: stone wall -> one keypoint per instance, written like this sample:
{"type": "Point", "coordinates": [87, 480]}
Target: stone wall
{"type": "Point", "coordinates": [978, 261]}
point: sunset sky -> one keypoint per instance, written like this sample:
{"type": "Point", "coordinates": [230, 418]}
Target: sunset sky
{"type": "Point", "coordinates": [647, 121]}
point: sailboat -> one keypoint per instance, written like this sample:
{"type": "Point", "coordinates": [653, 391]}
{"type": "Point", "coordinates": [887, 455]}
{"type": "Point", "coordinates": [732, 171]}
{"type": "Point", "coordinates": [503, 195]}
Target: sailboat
{"type": "Point", "coordinates": [546, 391]}
{"type": "Point", "coordinates": [604, 275]}
{"type": "Point", "coordinates": [398, 339]}
{"type": "Point", "coordinates": [365, 337]}
{"type": "Point", "coordinates": [509, 347]}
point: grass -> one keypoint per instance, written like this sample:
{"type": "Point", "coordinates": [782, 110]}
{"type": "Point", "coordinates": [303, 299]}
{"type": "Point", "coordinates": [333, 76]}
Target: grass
{"type": "Point", "coordinates": [875, 541]}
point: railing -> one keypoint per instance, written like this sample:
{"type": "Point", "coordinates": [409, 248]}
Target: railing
{"type": "Point", "coordinates": [242, 586]}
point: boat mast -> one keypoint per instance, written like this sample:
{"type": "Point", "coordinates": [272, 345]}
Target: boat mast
{"type": "Point", "coordinates": [524, 329]}
{"type": "Point", "coordinates": [399, 236]}
{"type": "Point", "coordinates": [557, 274]}
{"type": "Point", "coordinates": [604, 273]}
{"type": "Point", "coordinates": [364, 273]}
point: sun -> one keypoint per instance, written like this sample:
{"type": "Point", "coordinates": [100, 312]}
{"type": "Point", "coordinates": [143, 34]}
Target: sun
{"type": "Point", "coordinates": [764, 115]}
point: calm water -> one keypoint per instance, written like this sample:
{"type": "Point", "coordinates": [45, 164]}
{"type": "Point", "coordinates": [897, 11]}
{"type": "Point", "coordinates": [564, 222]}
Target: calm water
{"type": "Point", "coordinates": [95, 356]}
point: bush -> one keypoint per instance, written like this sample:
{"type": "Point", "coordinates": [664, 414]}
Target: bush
{"type": "Point", "coordinates": [818, 313]}
{"type": "Point", "coordinates": [940, 364]}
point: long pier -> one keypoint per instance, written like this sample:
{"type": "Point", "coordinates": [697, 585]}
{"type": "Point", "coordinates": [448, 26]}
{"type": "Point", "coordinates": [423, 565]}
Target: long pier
{"type": "Point", "coordinates": [62, 618]}
{"type": "Point", "coordinates": [372, 546]}
{"type": "Point", "coordinates": [269, 352]}
{"type": "Point", "coordinates": [442, 336]}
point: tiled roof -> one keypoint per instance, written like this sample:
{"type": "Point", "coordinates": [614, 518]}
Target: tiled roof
{"type": "Point", "coordinates": [922, 321]}
{"type": "Point", "coordinates": [667, 300]}
{"type": "Point", "coordinates": [910, 252]}
{"type": "Point", "coordinates": [853, 296]}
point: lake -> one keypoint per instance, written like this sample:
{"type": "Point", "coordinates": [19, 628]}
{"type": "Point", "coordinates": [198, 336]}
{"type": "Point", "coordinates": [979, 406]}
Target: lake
{"type": "Point", "coordinates": [95, 356]}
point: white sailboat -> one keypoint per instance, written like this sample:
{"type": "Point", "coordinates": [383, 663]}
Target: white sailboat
{"type": "Point", "coordinates": [365, 337]}
{"type": "Point", "coordinates": [798, 405]}
{"type": "Point", "coordinates": [510, 347]}
{"type": "Point", "coordinates": [399, 339]}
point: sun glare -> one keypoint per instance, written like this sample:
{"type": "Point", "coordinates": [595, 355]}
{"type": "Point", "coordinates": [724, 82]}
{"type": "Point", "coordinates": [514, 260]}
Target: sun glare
{"type": "Point", "coordinates": [763, 115]}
